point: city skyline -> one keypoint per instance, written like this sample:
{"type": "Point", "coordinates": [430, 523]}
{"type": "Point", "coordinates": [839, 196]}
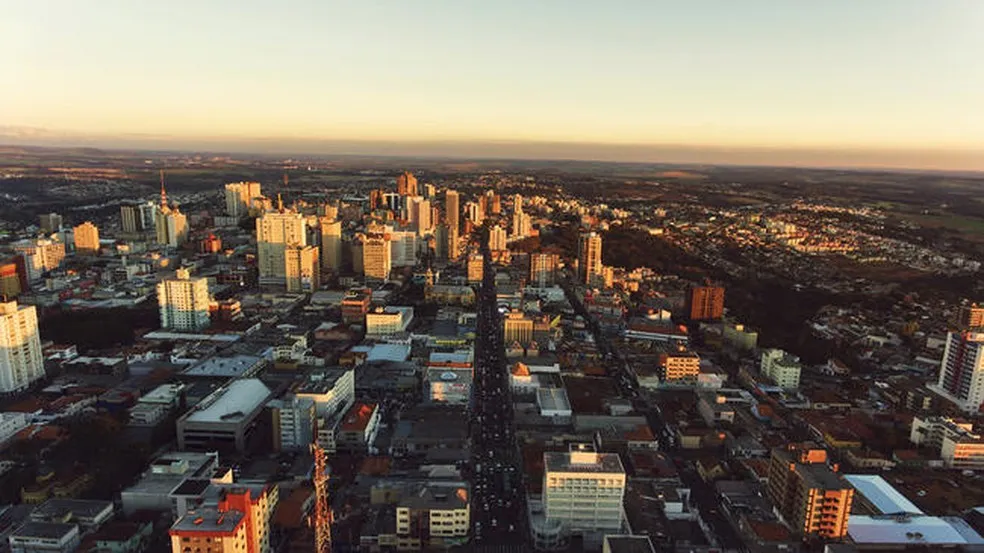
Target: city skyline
{"type": "Point", "coordinates": [882, 84]}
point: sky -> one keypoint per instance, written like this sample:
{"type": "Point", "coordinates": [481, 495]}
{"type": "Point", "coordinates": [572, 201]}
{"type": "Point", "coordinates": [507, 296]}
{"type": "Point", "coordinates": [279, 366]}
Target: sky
{"type": "Point", "coordinates": [899, 81]}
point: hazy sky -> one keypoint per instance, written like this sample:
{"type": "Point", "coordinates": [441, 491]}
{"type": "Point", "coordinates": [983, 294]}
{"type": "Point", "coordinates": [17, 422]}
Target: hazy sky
{"type": "Point", "coordinates": [868, 74]}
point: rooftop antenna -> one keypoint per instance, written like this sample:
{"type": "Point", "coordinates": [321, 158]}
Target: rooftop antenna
{"type": "Point", "coordinates": [163, 192]}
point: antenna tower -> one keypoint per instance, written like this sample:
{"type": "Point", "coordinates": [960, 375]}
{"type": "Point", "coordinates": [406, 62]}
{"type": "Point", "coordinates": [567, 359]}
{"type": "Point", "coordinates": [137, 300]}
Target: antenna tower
{"type": "Point", "coordinates": [322, 508]}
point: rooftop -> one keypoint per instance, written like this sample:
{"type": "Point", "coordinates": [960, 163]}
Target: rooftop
{"type": "Point", "coordinates": [229, 367]}
{"type": "Point", "coordinates": [231, 403]}
{"type": "Point", "coordinates": [563, 462]}
{"type": "Point", "coordinates": [44, 530]}
{"type": "Point", "coordinates": [914, 530]}
{"type": "Point", "coordinates": [321, 382]}
{"type": "Point", "coordinates": [885, 498]}
{"type": "Point", "coordinates": [629, 544]}
{"type": "Point", "coordinates": [358, 416]}
{"type": "Point", "coordinates": [208, 520]}
{"type": "Point", "coordinates": [70, 509]}
{"type": "Point", "coordinates": [552, 399]}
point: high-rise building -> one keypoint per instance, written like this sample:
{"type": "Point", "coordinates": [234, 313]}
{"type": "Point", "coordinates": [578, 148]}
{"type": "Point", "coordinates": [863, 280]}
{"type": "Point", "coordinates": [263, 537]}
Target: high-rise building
{"type": "Point", "coordinates": [21, 362]}
{"type": "Point", "coordinates": [494, 202]}
{"type": "Point", "coordinates": [430, 191]}
{"type": "Point", "coordinates": [782, 367]}
{"type": "Point", "coordinates": [475, 267]}
{"type": "Point", "coordinates": [377, 256]}
{"type": "Point", "coordinates": [170, 224]}
{"type": "Point", "coordinates": [441, 241]}
{"type": "Point", "coordinates": [543, 269]}
{"type": "Point", "coordinates": [302, 272]}
{"type": "Point", "coordinates": [522, 225]}
{"type": "Point", "coordinates": [239, 196]}
{"type": "Point", "coordinates": [589, 256]}
{"type": "Point", "coordinates": [184, 302]}
{"type": "Point", "coordinates": [13, 277]}
{"type": "Point", "coordinates": [331, 244]}
{"type": "Point", "coordinates": [971, 316]}
{"type": "Point", "coordinates": [810, 496]}
{"type": "Point", "coordinates": [276, 230]}
{"type": "Point", "coordinates": [50, 223]}
{"type": "Point", "coordinates": [583, 492]}
{"type": "Point", "coordinates": [403, 245]}
{"type": "Point", "coordinates": [86, 238]}
{"type": "Point", "coordinates": [497, 238]}
{"type": "Point", "coordinates": [961, 377]}
{"type": "Point", "coordinates": [136, 218]}
{"type": "Point", "coordinates": [406, 184]}
{"type": "Point", "coordinates": [517, 327]}
{"type": "Point", "coordinates": [474, 213]}
{"type": "Point", "coordinates": [238, 522]}
{"type": "Point", "coordinates": [420, 215]}
{"type": "Point", "coordinates": [451, 214]}
{"type": "Point", "coordinates": [706, 303]}
{"type": "Point", "coordinates": [40, 255]}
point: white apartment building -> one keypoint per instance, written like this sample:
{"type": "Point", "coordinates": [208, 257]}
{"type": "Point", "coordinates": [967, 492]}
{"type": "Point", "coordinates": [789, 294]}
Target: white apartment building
{"type": "Point", "coordinates": [239, 196]}
{"type": "Point", "coordinates": [184, 302]}
{"type": "Point", "coordinates": [384, 321]}
{"type": "Point", "coordinates": [959, 447]}
{"type": "Point", "coordinates": [782, 367]}
{"type": "Point", "coordinates": [582, 492]}
{"type": "Point", "coordinates": [274, 232]}
{"type": "Point", "coordinates": [21, 361]}
{"type": "Point", "coordinates": [962, 370]}
{"type": "Point", "coordinates": [40, 255]}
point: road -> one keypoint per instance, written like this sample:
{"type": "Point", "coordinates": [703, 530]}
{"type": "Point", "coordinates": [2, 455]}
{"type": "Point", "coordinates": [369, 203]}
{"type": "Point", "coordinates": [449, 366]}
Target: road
{"type": "Point", "coordinates": [498, 502]}
{"type": "Point", "coordinates": [617, 367]}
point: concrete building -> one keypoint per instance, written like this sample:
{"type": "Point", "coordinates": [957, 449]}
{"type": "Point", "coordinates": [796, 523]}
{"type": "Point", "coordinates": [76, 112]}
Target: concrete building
{"type": "Point", "coordinates": [808, 494]}
{"type": "Point", "coordinates": [583, 492]}
{"type": "Point", "coordinates": [385, 321]}
{"type": "Point", "coordinates": [236, 520]}
{"type": "Point", "coordinates": [553, 402]}
{"type": "Point", "coordinates": [958, 446]}
{"type": "Point", "coordinates": [543, 269]}
{"type": "Point", "coordinates": [589, 264]}
{"type": "Point", "coordinates": [433, 515]}
{"type": "Point", "coordinates": [781, 367]}
{"type": "Point", "coordinates": [184, 302]}
{"type": "Point", "coordinates": [50, 223]}
{"type": "Point", "coordinates": [13, 277]}
{"type": "Point", "coordinates": [357, 428]}
{"type": "Point", "coordinates": [706, 303]}
{"type": "Point", "coordinates": [331, 245]}
{"type": "Point", "coordinates": [239, 197]}
{"type": "Point", "coordinates": [680, 367]}
{"type": "Point", "coordinates": [275, 231]}
{"type": "Point", "coordinates": [86, 237]}
{"type": "Point", "coordinates": [302, 270]}
{"type": "Point", "coordinates": [137, 218]}
{"type": "Point", "coordinates": [225, 420]}
{"type": "Point", "coordinates": [961, 377]}
{"type": "Point", "coordinates": [294, 421]}
{"type": "Point", "coordinates": [170, 225]}
{"type": "Point", "coordinates": [517, 327]}
{"type": "Point", "coordinates": [45, 537]}
{"type": "Point", "coordinates": [21, 361]}
{"type": "Point", "coordinates": [475, 268]}
{"type": "Point", "coordinates": [403, 248]}
{"type": "Point", "coordinates": [452, 213]}
{"type": "Point", "coordinates": [40, 255]}
{"type": "Point", "coordinates": [377, 256]}
{"type": "Point", "coordinates": [331, 390]}
{"type": "Point", "coordinates": [497, 238]}
{"type": "Point", "coordinates": [406, 184]}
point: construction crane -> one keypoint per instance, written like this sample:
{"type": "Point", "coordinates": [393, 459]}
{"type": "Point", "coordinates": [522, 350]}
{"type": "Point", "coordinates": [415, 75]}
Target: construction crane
{"type": "Point", "coordinates": [322, 518]}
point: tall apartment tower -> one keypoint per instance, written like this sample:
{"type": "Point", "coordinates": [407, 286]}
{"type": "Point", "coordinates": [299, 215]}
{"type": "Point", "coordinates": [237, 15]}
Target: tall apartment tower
{"type": "Point", "coordinates": [961, 377]}
{"type": "Point", "coordinates": [475, 268]}
{"type": "Point", "coordinates": [40, 255]}
{"type": "Point", "coordinates": [275, 231]}
{"type": "Point", "coordinates": [406, 184]}
{"type": "Point", "coordinates": [21, 362]}
{"type": "Point", "coordinates": [86, 238]}
{"type": "Point", "coordinates": [521, 222]}
{"type": "Point", "coordinates": [377, 256]}
{"type": "Point", "coordinates": [130, 219]}
{"type": "Point", "coordinates": [452, 211]}
{"type": "Point", "coordinates": [50, 222]}
{"type": "Point", "coordinates": [543, 269]}
{"type": "Point", "coordinates": [497, 238]}
{"type": "Point", "coordinates": [706, 303]}
{"type": "Point", "coordinates": [239, 196]}
{"type": "Point", "coordinates": [583, 492]}
{"type": "Point", "coordinates": [589, 256]}
{"type": "Point", "coordinates": [331, 244]}
{"type": "Point", "coordinates": [811, 496]}
{"type": "Point", "coordinates": [184, 302]}
{"type": "Point", "coordinates": [302, 269]}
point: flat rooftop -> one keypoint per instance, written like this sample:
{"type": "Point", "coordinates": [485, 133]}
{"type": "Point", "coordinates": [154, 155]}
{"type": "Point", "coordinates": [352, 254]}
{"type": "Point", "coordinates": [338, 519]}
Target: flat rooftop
{"type": "Point", "coordinates": [208, 520]}
{"type": "Point", "coordinates": [43, 530]}
{"type": "Point", "coordinates": [885, 498]}
{"type": "Point", "coordinates": [62, 508]}
{"type": "Point", "coordinates": [629, 544]}
{"type": "Point", "coordinates": [911, 530]}
{"type": "Point", "coordinates": [228, 367]}
{"type": "Point", "coordinates": [321, 382]}
{"type": "Point", "coordinates": [822, 477]}
{"type": "Point", "coordinates": [604, 463]}
{"type": "Point", "coordinates": [232, 403]}
{"type": "Point", "coordinates": [552, 399]}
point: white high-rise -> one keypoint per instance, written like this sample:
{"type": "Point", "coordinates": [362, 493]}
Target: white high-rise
{"type": "Point", "coordinates": [183, 302]}
{"type": "Point", "coordinates": [403, 248]}
{"type": "Point", "coordinates": [583, 491]}
{"type": "Point", "coordinates": [962, 370]}
{"type": "Point", "coordinates": [274, 232]}
{"type": "Point", "coordinates": [239, 196]}
{"type": "Point", "coordinates": [40, 255]}
{"type": "Point", "coordinates": [21, 362]}
{"type": "Point", "coordinates": [589, 256]}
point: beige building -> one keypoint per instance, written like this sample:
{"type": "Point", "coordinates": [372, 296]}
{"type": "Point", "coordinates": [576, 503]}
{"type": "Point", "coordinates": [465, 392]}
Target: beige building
{"type": "Point", "coordinates": [171, 226]}
{"type": "Point", "coordinates": [958, 446]}
{"type": "Point", "coordinates": [543, 269]}
{"type": "Point", "coordinates": [517, 327]}
{"type": "Point", "coordinates": [275, 231]}
{"type": "Point", "coordinates": [680, 367]}
{"type": "Point", "coordinates": [497, 238]}
{"type": "Point", "coordinates": [589, 256]}
{"type": "Point", "coordinates": [331, 244]}
{"type": "Point", "coordinates": [86, 238]}
{"type": "Point", "coordinates": [377, 256]}
{"type": "Point", "coordinates": [452, 212]}
{"type": "Point", "coordinates": [184, 302]}
{"type": "Point", "coordinates": [21, 362]}
{"type": "Point", "coordinates": [239, 197]}
{"type": "Point", "coordinates": [810, 496]}
{"type": "Point", "coordinates": [475, 267]}
{"type": "Point", "coordinates": [302, 272]}
{"type": "Point", "coordinates": [40, 255]}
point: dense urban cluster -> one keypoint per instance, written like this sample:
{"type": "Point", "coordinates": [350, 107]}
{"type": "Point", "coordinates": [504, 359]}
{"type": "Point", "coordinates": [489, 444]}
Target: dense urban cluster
{"type": "Point", "coordinates": [477, 374]}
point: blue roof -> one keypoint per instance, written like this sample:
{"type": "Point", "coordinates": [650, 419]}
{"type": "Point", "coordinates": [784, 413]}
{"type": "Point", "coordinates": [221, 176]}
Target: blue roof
{"type": "Point", "coordinates": [885, 498]}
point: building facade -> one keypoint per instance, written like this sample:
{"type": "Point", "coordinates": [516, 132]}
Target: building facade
{"type": "Point", "coordinates": [589, 256]}
{"type": "Point", "coordinates": [810, 496]}
{"type": "Point", "coordinates": [543, 269]}
{"type": "Point", "coordinates": [21, 361]}
{"type": "Point", "coordinates": [86, 237]}
{"type": "Point", "coordinates": [706, 303]}
{"type": "Point", "coordinates": [961, 377]}
{"type": "Point", "coordinates": [583, 491]}
{"type": "Point", "coordinates": [781, 367]}
{"type": "Point", "coordinates": [275, 231]}
{"type": "Point", "coordinates": [184, 302]}
{"type": "Point", "coordinates": [239, 197]}
{"type": "Point", "coordinates": [302, 269]}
